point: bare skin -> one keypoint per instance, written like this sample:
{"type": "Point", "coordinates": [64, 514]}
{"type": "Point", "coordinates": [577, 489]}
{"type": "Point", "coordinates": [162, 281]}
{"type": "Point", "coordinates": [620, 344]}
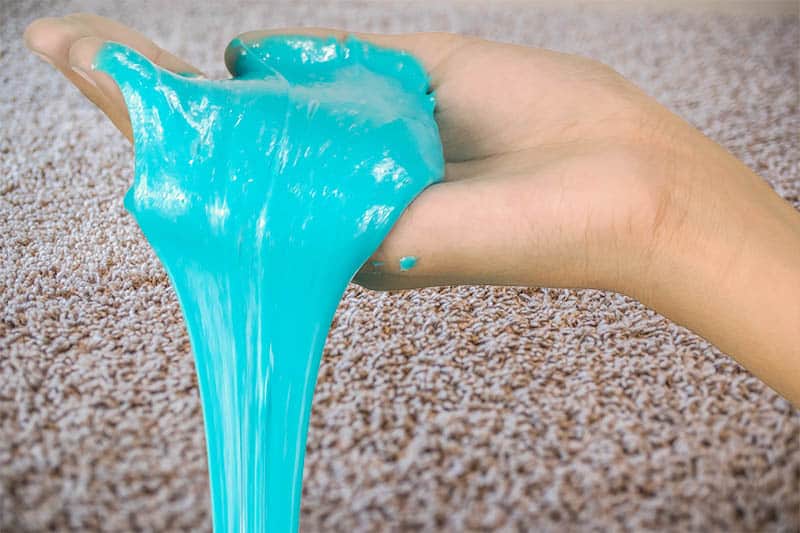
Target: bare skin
{"type": "Point", "coordinates": [559, 173]}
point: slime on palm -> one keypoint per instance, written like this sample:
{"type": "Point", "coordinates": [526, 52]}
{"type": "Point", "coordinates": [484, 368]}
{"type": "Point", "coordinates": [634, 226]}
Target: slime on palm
{"type": "Point", "coordinates": [262, 195]}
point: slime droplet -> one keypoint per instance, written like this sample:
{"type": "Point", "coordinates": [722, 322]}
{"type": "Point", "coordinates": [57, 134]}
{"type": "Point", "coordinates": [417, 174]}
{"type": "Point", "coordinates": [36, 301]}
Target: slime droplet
{"type": "Point", "coordinates": [407, 262]}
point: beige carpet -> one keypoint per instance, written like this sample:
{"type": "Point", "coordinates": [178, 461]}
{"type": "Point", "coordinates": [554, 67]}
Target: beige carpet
{"type": "Point", "coordinates": [459, 409]}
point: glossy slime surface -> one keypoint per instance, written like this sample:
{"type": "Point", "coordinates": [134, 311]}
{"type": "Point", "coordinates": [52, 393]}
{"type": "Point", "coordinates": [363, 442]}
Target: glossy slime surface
{"type": "Point", "coordinates": [262, 195]}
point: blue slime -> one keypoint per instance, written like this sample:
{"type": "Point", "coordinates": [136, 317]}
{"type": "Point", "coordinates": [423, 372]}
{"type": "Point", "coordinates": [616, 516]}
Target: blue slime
{"type": "Point", "coordinates": [262, 196]}
{"type": "Point", "coordinates": [407, 262]}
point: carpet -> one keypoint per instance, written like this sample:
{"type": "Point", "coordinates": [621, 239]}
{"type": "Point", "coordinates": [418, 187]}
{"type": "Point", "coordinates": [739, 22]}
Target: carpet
{"type": "Point", "coordinates": [451, 409]}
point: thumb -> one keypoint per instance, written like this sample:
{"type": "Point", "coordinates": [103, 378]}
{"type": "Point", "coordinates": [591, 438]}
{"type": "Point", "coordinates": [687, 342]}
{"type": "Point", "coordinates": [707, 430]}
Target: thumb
{"type": "Point", "coordinates": [443, 238]}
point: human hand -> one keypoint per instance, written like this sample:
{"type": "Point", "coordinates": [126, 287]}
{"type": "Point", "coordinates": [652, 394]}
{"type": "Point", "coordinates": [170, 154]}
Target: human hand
{"type": "Point", "coordinates": [559, 173]}
{"type": "Point", "coordinates": [540, 180]}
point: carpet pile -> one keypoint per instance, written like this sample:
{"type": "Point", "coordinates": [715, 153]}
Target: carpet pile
{"type": "Point", "coordinates": [452, 409]}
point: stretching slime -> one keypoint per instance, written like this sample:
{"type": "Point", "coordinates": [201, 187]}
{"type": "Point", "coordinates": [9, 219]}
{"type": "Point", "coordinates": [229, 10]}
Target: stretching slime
{"type": "Point", "coordinates": [262, 196]}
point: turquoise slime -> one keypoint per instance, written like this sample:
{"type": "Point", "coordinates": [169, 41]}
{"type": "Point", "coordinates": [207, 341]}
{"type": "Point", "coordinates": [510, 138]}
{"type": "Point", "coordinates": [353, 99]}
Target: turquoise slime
{"type": "Point", "coordinates": [262, 196]}
{"type": "Point", "coordinates": [407, 262]}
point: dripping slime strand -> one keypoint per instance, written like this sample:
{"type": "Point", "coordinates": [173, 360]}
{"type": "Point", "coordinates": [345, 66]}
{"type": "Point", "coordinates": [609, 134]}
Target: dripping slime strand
{"type": "Point", "coordinates": [262, 195]}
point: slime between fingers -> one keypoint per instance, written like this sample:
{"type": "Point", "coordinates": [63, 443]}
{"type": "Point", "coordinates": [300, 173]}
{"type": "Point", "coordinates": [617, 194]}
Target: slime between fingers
{"type": "Point", "coordinates": [263, 195]}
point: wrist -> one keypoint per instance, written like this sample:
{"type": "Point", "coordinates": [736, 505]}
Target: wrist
{"type": "Point", "coordinates": [711, 217]}
{"type": "Point", "coordinates": [723, 259]}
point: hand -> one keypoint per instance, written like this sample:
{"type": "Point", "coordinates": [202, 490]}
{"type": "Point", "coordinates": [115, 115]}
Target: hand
{"type": "Point", "coordinates": [559, 173]}
{"type": "Point", "coordinates": [541, 182]}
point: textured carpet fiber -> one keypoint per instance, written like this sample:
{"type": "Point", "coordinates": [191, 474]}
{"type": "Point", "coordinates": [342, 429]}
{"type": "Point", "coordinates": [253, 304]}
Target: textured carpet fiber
{"type": "Point", "coordinates": [452, 409]}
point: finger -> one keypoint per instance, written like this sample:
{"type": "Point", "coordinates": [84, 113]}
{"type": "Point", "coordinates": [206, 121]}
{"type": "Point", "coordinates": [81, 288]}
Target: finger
{"type": "Point", "coordinates": [111, 30]}
{"type": "Point", "coordinates": [431, 48]}
{"type": "Point", "coordinates": [51, 39]}
{"type": "Point", "coordinates": [82, 55]}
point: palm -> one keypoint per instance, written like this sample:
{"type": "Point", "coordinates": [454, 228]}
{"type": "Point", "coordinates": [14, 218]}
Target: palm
{"type": "Point", "coordinates": [543, 135]}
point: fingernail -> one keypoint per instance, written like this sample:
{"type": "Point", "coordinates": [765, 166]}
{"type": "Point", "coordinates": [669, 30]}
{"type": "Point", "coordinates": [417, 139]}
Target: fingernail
{"type": "Point", "coordinates": [43, 57]}
{"type": "Point", "coordinates": [85, 75]}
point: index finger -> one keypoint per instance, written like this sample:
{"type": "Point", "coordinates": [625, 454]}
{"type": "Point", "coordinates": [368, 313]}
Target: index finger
{"type": "Point", "coordinates": [69, 43]}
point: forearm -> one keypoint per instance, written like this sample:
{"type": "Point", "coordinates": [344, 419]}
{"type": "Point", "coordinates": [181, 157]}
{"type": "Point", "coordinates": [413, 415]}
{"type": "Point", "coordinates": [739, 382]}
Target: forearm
{"type": "Point", "coordinates": [726, 264]}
